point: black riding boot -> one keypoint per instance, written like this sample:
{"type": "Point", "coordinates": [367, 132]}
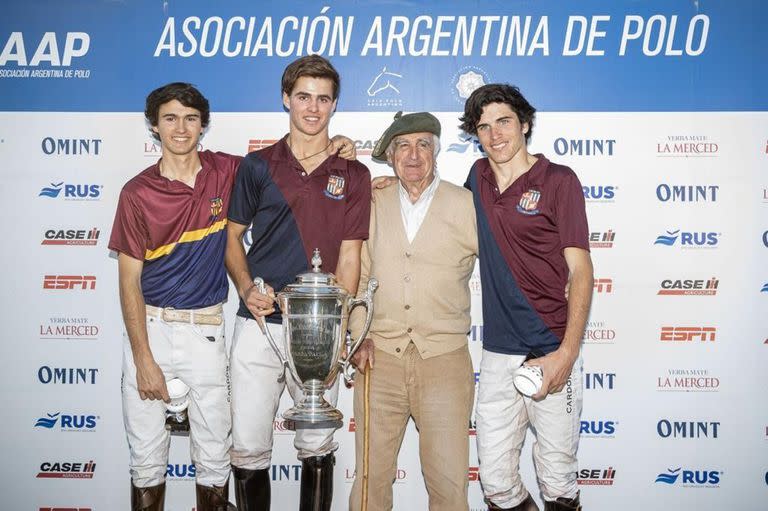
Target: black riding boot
{"type": "Point", "coordinates": [563, 504]}
{"type": "Point", "coordinates": [252, 491]}
{"type": "Point", "coordinates": [151, 498]}
{"type": "Point", "coordinates": [527, 505]}
{"type": "Point", "coordinates": [213, 498]}
{"type": "Point", "coordinates": [317, 483]}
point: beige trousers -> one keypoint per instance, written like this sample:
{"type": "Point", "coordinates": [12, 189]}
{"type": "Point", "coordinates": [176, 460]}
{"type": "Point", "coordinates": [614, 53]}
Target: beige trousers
{"type": "Point", "coordinates": [438, 393]}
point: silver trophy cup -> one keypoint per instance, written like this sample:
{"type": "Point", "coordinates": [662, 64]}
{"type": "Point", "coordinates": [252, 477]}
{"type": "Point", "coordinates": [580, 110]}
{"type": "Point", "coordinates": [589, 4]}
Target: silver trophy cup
{"type": "Point", "coordinates": [315, 313]}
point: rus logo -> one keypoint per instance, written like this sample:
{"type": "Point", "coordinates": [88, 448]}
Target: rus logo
{"type": "Point", "coordinates": [687, 429]}
{"type": "Point", "coordinates": [71, 192]}
{"type": "Point", "coordinates": [181, 470]}
{"type": "Point", "coordinates": [76, 45]}
{"type": "Point", "coordinates": [71, 146]}
{"type": "Point", "coordinates": [584, 147]}
{"type": "Point", "coordinates": [67, 422]}
{"type": "Point", "coordinates": [690, 477]}
{"type": "Point", "coordinates": [598, 428]}
{"type": "Point", "coordinates": [688, 239]}
{"type": "Point", "coordinates": [599, 193]}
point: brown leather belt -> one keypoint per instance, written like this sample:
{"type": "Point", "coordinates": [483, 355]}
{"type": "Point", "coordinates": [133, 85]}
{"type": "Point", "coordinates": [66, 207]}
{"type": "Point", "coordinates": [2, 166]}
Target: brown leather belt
{"type": "Point", "coordinates": [213, 315]}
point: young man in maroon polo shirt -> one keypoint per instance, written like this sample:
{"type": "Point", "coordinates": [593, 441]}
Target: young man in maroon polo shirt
{"type": "Point", "coordinates": [533, 236]}
{"type": "Point", "coordinates": [296, 196]}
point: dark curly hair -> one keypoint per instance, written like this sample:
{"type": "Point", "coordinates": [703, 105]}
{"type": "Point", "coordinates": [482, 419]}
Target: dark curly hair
{"type": "Point", "coordinates": [496, 93]}
{"type": "Point", "coordinates": [185, 93]}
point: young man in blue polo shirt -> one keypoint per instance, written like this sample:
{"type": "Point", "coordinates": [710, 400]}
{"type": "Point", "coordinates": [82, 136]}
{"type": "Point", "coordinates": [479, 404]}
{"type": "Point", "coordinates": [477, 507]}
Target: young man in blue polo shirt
{"type": "Point", "coordinates": [297, 196]}
{"type": "Point", "coordinates": [533, 237]}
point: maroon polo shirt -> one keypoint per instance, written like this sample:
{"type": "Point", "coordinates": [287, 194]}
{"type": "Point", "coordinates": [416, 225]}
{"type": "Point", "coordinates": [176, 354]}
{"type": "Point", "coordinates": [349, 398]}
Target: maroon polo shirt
{"type": "Point", "coordinates": [291, 212]}
{"type": "Point", "coordinates": [532, 221]}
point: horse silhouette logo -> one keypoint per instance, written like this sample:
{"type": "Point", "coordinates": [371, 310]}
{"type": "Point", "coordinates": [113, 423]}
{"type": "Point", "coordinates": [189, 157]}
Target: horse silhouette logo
{"type": "Point", "coordinates": [383, 81]}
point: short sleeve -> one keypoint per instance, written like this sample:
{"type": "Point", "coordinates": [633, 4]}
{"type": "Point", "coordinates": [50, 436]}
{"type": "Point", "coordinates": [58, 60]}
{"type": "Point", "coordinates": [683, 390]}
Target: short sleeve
{"type": "Point", "coordinates": [246, 194]}
{"type": "Point", "coordinates": [571, 213]}
{"type": "Point", "coordinates": [357, 214]}
{"type": "Point", "coordinates": [129, 231]}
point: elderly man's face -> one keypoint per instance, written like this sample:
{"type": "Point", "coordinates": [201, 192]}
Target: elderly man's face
{"type": "Point", "coordinates": [413, 158]}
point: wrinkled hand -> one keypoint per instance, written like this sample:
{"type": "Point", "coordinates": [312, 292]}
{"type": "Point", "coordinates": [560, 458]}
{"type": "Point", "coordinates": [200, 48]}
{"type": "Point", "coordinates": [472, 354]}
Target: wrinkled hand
{"type": "Point", "coordinates": [344, 146]}
{"type": "Point", "coordinates": [381, 182]}
{"type": "Point", "coordinates": [556, 368]}
{"type": "Point", "coordinates": [364, 355]}
{"type": "Point", "coordinates": [258, 303]}
{"type": "Point", "coordinates": [151, 381]}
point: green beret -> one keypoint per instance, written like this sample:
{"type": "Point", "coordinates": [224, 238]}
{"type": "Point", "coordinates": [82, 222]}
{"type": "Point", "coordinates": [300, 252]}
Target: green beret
{"type": "Point", "coordinates": [402, 125]}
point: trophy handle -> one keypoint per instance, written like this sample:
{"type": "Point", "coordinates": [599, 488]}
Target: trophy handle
{"type": "Point", "coordinates": [259, 283]}
{"type": "Point", "coordinates": [367, 301]}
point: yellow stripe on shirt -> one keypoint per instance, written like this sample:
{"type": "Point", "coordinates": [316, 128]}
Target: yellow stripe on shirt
{"type": "Point", "coordinates": [185, 237]}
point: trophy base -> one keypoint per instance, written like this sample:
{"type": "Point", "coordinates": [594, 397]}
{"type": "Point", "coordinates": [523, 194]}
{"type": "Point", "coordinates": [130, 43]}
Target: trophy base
{"type": "Point", "coordinates": [314, 412]}
{"type": "Point", "coordinates": [177, 426]}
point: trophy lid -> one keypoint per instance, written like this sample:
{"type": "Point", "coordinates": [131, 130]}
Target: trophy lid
{"type": "Point", "coordinates": [315, 282]}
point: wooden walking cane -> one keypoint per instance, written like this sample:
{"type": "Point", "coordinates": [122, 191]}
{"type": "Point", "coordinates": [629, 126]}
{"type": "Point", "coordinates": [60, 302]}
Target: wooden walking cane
{"type": "Point", "coordinates": [366, 433]}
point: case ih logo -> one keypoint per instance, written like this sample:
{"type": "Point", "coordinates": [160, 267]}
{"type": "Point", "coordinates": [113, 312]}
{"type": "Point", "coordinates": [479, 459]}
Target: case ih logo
{"type": "Point", "coordinates": [687, 146]}
{"type": "Point", "coordinates": [255, 144]}
{"type": "Point", "coordinates": [66, 470]}
{"type": "Point", "coordinates": [596, 476]}
{"type": "Point", "coordinates": [67, 282]}
{"type": "Point", "coordinates": [603, 285]}
{"type": "Point", "coordinates": [602, 239]}
{"type": "Point", "coordinates": [679, 287]}
{"type": "Point", "coordinates": [688, 333]}
{"type": "Point", "coordinates": [71, 237]}
{"type": "Point", "coordinates": [687, 380]}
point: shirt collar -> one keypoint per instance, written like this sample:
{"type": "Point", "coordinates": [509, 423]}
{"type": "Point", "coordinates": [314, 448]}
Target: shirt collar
{"type": "Point", "coordinates": [428, 192]}
{"type": "Point", "coordinates": [283, 153]}
{"type": "Point", "coordinates": [534, 176]}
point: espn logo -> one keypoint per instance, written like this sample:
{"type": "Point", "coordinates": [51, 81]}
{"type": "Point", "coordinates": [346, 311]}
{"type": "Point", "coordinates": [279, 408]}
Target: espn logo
{"type": "Point", "coordinates": [473, 474]}
{"type": "Point", "coordinates": [688, 333]}
{"type": "Point", "coordinates": [603, 285]}
{"type": "Point", "coordinates": [84, 282]}
{"type": "Point", "coordinates": [255, 144]}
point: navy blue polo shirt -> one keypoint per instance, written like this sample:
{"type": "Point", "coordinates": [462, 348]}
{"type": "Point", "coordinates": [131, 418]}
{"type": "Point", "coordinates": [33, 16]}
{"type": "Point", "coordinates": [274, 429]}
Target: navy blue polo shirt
{"type": "Point", "coordinates": [522, 233]}
{"type": "Point", "coordinates": [291, 213]}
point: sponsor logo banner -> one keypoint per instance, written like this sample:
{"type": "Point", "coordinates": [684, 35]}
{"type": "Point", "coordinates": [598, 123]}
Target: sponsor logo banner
{"type": "Point", "coordinates": [596, 476]}
{"type": "Point", "coordinates": [66, 470]}
{"type": "Point", "coordinates": [79, 237]}
{"type": "Point", "coordinates": [687, 380]}
{"type": "Point", "coordinates": [699, 478]}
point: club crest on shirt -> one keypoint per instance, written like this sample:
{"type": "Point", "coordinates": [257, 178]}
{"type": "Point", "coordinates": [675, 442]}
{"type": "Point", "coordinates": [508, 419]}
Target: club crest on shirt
{"type": "Point", "coordinates": [335, 187]}
{"type": "Point", "coordinates": [529, 202]}
{"type": "Point", "coordinates": [216, 206]}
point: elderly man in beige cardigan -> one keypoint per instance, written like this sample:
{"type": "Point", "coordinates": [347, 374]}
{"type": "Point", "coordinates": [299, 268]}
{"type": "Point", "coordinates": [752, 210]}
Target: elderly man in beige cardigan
{"type": "Point", "coordinates": [422, 249]}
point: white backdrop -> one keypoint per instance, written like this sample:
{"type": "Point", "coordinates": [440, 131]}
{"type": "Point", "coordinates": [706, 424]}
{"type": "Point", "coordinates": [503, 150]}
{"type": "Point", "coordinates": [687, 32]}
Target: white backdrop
{"type": "Point", "coordinates": [635, 380]}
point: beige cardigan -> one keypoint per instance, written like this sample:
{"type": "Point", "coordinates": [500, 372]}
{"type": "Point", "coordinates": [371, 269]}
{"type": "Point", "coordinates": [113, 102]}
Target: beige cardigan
{"type": "Point", "coordinates": [423, 293]}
